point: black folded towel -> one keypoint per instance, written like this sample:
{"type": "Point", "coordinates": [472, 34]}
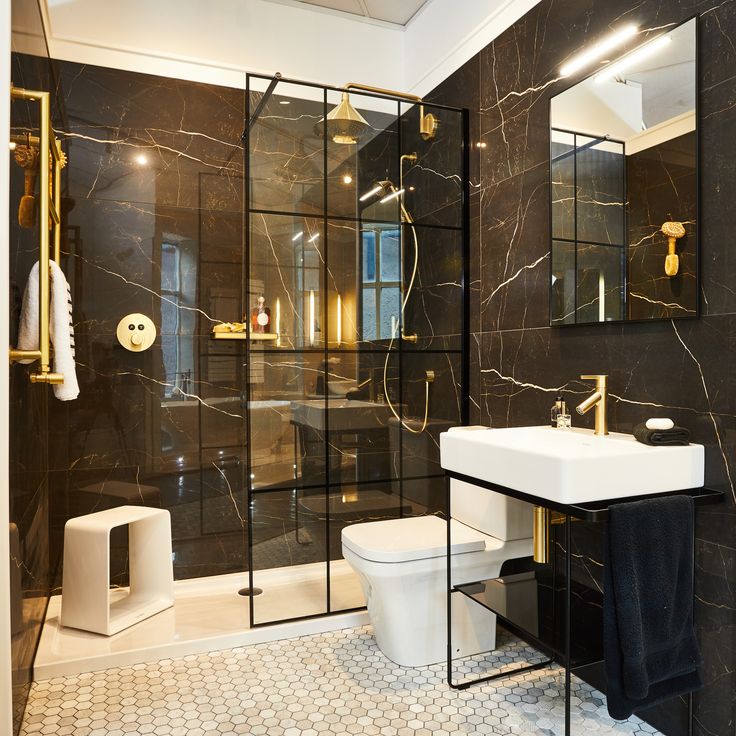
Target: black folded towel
{"type": "Point", "coordinates": [674, 436]}
{"type": "Point", "coordinates": [651, 651]}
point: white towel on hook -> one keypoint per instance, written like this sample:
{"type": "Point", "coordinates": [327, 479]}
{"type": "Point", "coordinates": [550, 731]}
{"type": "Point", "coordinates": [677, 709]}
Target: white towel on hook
{"type": "Point", "coordinates": [61, 328]}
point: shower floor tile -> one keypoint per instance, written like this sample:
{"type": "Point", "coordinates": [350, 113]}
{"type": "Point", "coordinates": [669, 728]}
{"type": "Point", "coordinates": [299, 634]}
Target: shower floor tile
{"type": "Point", "coordinates": [208, 615]}
{"type": "Point", "coordinates": [331, 683]}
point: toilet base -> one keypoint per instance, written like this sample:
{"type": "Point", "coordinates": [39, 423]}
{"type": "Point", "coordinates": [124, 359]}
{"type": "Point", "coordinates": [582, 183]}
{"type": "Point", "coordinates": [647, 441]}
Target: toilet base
{"type": "Point", "coordinates": [473, 632]}
{"type": "Point", "coordinates": [409, 612]}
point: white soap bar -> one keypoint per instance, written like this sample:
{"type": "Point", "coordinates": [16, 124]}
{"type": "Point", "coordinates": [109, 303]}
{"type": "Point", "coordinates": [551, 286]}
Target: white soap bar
{"type": "Point", "coordinates": [660, 423]}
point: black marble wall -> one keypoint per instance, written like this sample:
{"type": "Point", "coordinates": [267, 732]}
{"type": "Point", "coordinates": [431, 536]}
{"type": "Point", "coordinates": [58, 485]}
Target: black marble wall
{"type": "Point", "coordinates": [682, 369]}
{"type": "Point", "coordinates": [153, 206]}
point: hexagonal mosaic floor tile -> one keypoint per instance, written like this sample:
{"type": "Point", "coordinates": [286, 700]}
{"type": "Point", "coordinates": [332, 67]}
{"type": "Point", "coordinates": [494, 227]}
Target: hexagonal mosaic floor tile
{"type": "Point", "coordinates": [335, 683]}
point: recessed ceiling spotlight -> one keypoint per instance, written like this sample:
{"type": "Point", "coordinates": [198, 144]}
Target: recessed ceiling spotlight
{"type": "Point", "coordinates": [630, 60]}
{"type": "Point", "coordinates": [596, 52]}
{"type": "Point", "coordinates": [347, 179]}
{"type": "Point", "coordinates": [141, 159]}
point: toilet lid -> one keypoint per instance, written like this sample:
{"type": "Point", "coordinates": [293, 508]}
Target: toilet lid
{"type": "Point", "coordinates": [411, 538]}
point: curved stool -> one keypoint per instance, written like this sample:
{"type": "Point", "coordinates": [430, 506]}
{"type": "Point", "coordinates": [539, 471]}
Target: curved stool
{"type": "Point", "coordinates": [85, 595]}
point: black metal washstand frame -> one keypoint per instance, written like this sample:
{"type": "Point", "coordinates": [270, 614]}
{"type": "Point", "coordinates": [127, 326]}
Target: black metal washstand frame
{"type": "Point", "coordinates": [593, 511]}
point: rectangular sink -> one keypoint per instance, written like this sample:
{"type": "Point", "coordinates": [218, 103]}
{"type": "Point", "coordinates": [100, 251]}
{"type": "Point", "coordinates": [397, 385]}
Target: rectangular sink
{"type": "Point", "coordinates": [570, 466]}
{"type": "Point", "coordinates": [344, 414]}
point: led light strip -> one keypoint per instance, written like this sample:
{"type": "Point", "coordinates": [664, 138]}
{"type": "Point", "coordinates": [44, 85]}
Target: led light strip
{"type": "Point", "coordinates": [598, 51]}
{"type": "Point", "coordinates": [632, 59]}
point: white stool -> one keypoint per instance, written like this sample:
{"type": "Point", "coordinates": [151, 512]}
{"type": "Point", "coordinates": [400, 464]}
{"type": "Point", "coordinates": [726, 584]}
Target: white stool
{"type": "Point", "coordinates": [85, 599]}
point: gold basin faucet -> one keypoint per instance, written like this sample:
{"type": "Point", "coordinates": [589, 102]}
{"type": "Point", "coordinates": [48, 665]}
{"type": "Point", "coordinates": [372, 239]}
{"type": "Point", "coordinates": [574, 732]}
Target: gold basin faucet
{"type": "Point", "coordinates": [598, 400]}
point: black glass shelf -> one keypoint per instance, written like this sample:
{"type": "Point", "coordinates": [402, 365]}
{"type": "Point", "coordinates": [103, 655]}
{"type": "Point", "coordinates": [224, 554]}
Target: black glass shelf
{"type": "Point", "coordinates": [513, 598]}
{"type": "Point", "coordinates": [525, 603]}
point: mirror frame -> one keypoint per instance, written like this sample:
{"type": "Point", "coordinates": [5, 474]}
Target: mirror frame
{"type": "Point", "coordinates": [697, 229]}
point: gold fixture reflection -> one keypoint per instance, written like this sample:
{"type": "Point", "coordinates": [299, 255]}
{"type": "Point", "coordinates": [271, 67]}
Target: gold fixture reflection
{"type": "Point", "coordinates": [598, 400]}
{"type": "Point", "coordinates": [673, 231]}
{"type": "Point", "coordinates": [344, 124]}
{"type": "Point", "coordinates": [51, 160]}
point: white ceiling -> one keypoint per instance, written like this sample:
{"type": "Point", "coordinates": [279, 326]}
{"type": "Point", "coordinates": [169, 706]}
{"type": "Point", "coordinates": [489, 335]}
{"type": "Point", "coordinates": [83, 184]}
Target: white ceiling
{"type": "Point", "coordinates": [387, 11]}
{"type": "Point", "coordinates": [295, 37]}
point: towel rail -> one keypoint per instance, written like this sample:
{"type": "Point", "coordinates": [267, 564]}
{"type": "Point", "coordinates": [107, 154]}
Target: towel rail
{"type": "Point", "coordinates": [51, 160]}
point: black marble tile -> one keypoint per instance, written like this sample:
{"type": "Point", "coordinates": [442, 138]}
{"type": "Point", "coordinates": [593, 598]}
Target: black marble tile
{"type": "Point", "coordinates": [434, 181]}
{"type": "Point", "coordinates": [145, 139]}
{"type": "Point", "coordinates": [434, 311]}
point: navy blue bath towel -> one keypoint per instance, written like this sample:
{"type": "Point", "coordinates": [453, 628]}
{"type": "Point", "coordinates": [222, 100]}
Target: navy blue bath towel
{"type": "Point", "coordinates": [651, 650]}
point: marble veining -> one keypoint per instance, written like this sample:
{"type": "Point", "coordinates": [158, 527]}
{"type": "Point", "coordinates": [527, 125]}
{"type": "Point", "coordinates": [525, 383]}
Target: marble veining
{"type": "Point", "coordinates": [682, 369]}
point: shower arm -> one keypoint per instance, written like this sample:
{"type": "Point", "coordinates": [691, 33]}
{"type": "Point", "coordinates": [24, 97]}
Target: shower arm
{"type": "Point", "coordinates": [427, 123]}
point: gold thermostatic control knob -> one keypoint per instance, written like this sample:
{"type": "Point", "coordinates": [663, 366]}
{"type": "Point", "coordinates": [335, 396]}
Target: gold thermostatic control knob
{"type": "Point", "coordinates": [136, 332]}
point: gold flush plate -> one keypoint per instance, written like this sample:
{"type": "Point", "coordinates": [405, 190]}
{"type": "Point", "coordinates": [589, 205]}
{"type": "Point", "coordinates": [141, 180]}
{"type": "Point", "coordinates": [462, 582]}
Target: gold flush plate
{"type": "Point", "coordinates": [136, 332]}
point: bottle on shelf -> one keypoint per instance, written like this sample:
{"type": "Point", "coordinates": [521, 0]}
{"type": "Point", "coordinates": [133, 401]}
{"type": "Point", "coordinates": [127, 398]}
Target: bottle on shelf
{"type": "Point", "coordinates": [260, 317]}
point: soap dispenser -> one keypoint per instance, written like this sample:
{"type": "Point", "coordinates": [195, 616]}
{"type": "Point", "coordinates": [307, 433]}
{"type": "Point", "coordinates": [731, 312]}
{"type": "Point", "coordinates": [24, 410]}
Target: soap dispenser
{"type": "Point", "coordinates": [557, 408]}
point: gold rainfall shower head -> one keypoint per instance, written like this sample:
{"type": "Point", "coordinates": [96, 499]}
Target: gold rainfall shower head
{"type": "Point", "coordinates": [344, 124]}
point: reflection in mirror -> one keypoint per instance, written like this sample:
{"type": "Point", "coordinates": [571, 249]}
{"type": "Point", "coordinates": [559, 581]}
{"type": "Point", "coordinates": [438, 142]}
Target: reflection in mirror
{"type": "Point", "coordinates": [623, 168]}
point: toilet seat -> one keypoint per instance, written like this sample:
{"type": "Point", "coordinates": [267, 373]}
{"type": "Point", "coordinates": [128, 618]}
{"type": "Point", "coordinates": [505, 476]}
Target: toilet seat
{"type": "Point", "coordinates": [410, 538]}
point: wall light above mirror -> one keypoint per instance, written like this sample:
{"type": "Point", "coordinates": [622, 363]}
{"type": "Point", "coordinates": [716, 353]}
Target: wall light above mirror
{"type": "Point", "coordinates": [624, 182]}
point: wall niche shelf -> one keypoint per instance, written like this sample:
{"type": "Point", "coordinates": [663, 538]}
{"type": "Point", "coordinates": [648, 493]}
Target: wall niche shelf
{"type": "Point", "coordinates": [255, 337]}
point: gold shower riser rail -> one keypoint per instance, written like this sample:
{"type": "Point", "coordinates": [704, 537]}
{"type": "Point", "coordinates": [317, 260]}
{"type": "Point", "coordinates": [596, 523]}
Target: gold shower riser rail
{"type": "Point", "coordinates": [49, 207]}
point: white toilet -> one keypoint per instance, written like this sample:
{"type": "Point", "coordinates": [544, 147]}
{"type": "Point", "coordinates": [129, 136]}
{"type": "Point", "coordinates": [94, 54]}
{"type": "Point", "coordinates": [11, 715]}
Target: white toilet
{"type": "Point", "coordinates": [401, 564]}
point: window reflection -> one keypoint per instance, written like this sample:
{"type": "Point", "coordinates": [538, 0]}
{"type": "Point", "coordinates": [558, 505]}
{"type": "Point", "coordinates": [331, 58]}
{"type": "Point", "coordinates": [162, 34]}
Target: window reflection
{"type": "Point", "coordinates": [381, 282]}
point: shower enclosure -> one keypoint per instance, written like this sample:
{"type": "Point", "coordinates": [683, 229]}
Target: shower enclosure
{"type": "Point", "coordinates": [355, 304]}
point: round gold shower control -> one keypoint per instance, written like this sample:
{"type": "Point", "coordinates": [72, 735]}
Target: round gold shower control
{"type": "Point", "coordinates": [136, 332]}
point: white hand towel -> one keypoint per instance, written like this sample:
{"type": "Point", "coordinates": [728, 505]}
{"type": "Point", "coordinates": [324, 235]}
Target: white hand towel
{"type": "Point", "coordinates": [61, 328]}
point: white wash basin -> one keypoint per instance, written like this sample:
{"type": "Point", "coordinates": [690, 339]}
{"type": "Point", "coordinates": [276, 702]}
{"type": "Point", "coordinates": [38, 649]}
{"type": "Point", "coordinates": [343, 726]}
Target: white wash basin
{"type": "Point", "coordinates": [344, 414]}
{"type": "Point", "coordinates": [570, 466]}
